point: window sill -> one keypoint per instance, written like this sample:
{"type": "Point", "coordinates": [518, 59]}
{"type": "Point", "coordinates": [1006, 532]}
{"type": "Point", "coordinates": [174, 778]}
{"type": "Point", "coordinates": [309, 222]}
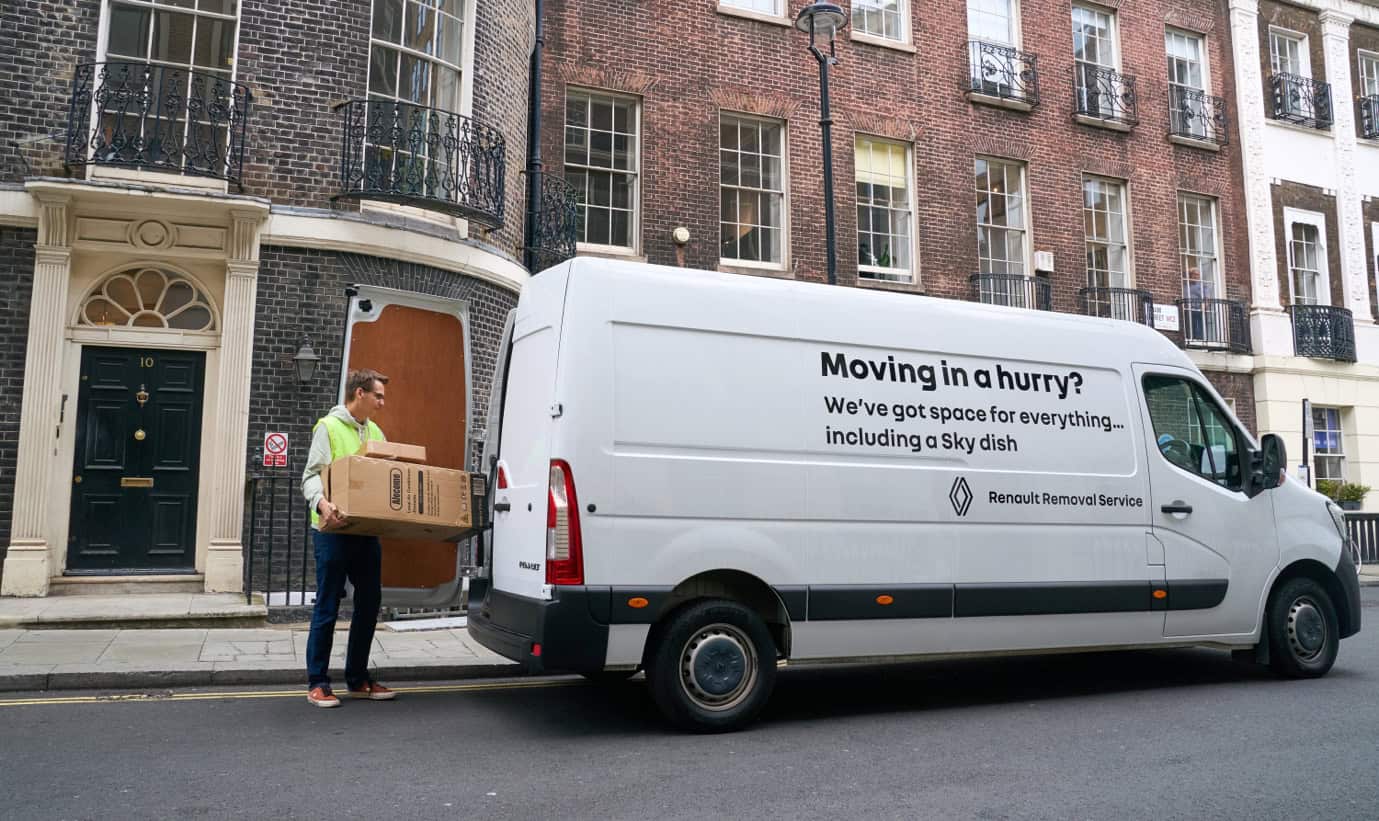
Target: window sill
{"type": "Point", "coordinates": [882, 42]}
{"type": "Point", "coordinates": [608, 252]}
{"type": "Point", "coordinates": [730, 266]}
{"type": "Point", "coordinates": [1007, 103]}
{"type": "Point", "coordinates": [1109, 125]}
{"type": "Point", "coordinates": [913, 287]}
{"type": "Point", "coordinates": [170, 179]}
{"type": "Point", "coordinates": [775, 20]}
{"type": "Point", "coordinates": [1304, 129]}
{"type": "Point", "coordinates": [1205, 145]}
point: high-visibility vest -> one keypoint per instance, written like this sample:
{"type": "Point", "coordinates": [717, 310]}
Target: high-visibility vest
{"type": "Point", "coordinates": [344, 441]}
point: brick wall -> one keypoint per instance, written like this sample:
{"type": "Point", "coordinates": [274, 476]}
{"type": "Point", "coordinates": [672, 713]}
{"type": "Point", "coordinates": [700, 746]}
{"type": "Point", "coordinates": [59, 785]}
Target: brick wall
{"type": "Point", "coordinates": [302, 291]}
{"type": "Point", "coordinates": [1298, 21]}
{"type": "Point", "coordinates": [1307, 198]}
{"type": "Point", "coordinates": [1240, 388]}
{"type": "Point", "coordinates": [41, 41]}
{"type": "Point", "coordinates": [16, 284]}
{"type": "Point", "coordinates": [753, 67]}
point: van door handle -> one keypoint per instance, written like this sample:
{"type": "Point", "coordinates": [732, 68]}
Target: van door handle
{"type": "Point", "coordinates": [501, 507]}
{"type": "Point", "coordinates": [1176, 507]}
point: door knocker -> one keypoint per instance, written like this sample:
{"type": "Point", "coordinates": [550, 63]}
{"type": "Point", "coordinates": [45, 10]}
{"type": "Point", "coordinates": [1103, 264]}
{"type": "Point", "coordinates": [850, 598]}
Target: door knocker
{"type": "Point", "coordinates": [141, 397]}
{"type": "Point", "coordinates": [139, 435]}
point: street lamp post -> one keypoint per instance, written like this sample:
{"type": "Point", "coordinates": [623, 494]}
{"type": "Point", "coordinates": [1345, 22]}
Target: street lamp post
{"type": "Point", "coordinates": [822, 20]}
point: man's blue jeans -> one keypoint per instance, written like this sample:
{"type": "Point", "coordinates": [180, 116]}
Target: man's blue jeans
{"type": "Point", "coordinates": [340, 557]}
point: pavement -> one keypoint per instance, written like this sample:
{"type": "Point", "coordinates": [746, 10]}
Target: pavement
{"type": "Point", "coordinates": [161, 640]}
{"type": "Point", "coordinates": [158, 640]}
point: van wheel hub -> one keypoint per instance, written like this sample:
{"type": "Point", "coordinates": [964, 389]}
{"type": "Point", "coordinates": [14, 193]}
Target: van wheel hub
{"type": "Point", "coordinates": [1306, 629]}
{"type": "Point", "coordinates": [718, 666]}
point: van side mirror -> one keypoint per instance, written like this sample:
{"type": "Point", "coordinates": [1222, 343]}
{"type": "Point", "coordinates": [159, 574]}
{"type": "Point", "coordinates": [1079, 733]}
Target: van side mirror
{"type": "Point", "coordinates": [1267, 465]}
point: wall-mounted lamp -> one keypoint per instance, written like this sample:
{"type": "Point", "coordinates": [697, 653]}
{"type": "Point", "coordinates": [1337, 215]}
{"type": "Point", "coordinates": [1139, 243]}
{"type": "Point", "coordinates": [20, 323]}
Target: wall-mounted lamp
{"type": "Point", "coordinates": [306, 361]}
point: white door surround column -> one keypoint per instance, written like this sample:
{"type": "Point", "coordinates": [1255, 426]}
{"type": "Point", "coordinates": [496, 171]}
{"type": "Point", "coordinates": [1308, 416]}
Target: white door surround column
{"type": "Point", "coordinates": [1270, 328]}
{"type": "Point", "coordinates": [225, 553]}
{"type": "Point", "coordinates": [28, 562]}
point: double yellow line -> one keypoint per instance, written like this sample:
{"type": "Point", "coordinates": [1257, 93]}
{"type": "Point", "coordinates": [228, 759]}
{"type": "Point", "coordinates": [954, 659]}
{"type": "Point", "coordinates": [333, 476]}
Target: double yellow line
{"type": "Point", "coordinates": [122, 698]}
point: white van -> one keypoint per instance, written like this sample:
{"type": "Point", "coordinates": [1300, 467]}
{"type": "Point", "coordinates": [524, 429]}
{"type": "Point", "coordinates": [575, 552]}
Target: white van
{"type": "Point", "coordinates": [706, 475]}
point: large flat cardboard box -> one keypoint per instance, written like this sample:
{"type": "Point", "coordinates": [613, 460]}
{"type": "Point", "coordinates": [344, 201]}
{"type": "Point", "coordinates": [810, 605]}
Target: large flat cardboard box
{"type": "Point", "coordinates": [395, 450]}
{"type": "Point", "coordinates": [398, 500]}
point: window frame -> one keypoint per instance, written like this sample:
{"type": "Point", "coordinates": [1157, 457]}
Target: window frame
{"type": "Point", "coordinates": [732, 7]}
{"type": "Point", "coordinates": [1113, 29]}
{"type": "Point", "coordinates": [1339, 454]}
{"type": "Point", "coordinates": [1200, 394]}
{"type": "Point", "coordinates": [1026, 229]}
{"type": "Point", "coordinates": [904, 11]}
{"type": "Point", "coordinates": [1362, 58]}
{"type": "Point", "coordinates": [1297, 216]}
{"type": "Point", "coordinates": [107, 12]}
{"type": "Point", "coordinates": [1218, 279]}
{"type": "Point", "coordinates": [1203, 57]}
{"type": "Point", "coordinates": [1125, 224]}
{"type": "Point", "coordinates": [880, 273]}
{"type": "Point", "coordinates": [757, 265]}
{"type": "Point", "coordinates": [1016, 30]}
{"type": "Point", "coordinates": [635, 193]}
{"type": "Point", "coordinates": [1299, 39]}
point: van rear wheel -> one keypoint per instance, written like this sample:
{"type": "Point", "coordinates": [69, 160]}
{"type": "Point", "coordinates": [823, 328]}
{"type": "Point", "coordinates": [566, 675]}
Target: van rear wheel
{"type": "Point", "coordinates": [1304, 634]}
{"type": "Point", "coordinates": [713, 666]}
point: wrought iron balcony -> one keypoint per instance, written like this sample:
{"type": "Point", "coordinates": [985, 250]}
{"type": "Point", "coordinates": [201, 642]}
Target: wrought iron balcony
{"type": "Point", "coordinates": [555, 222]}
{"type": "Point", "coordinates": [1301, 100]}
{"type": "Point", "coordinates": [1323, 332]}
{"type": "Point", "coordinates": [1105, 94]}
{"type": "Point", "coordinates": [415, 155]}
{"type": "Point", "coordinates": [1130, 304]}
{"type": "Point", "coordinates": [159, 118]}
{"type": "Point", "coordinates": [1369, 117]}
{"type": "Point", "coordinates": [1214, 324]}
{"type": "Point", "coordinates": [1004, 72]}
{"type": "Point", "coordinates": [1013, 290]}
{"type": "Point", "coordinates": [1196, 115]}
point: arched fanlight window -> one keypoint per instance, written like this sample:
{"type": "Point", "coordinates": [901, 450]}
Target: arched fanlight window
{"type": "Point", "coordinates": [148, 298]}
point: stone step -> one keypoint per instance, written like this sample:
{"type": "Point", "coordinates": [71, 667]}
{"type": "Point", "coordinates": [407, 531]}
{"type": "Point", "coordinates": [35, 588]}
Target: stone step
{"type": "Point", "coordinates": [126, 585]}
{"type": "Point", "coordinates": [134, 610]}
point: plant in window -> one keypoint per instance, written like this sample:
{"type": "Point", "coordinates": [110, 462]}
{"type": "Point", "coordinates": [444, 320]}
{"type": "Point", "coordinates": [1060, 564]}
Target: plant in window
{"type": "Point", "coordinates": [1330, 488]}
{"type": "Point", "coordinates": [1351, 495]}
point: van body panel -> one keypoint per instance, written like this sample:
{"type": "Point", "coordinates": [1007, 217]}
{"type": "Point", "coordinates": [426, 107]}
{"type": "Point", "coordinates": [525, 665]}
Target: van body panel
{"type": "Point", "coordinates": [991, 473]}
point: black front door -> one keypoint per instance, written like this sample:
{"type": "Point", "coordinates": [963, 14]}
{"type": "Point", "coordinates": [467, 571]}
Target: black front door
{"type": "Point", "coordinates": [135, 475]}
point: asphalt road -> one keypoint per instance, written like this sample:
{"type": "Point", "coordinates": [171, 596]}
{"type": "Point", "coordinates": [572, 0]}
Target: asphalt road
{"type": "Point", "coordinates": [1164, 734]}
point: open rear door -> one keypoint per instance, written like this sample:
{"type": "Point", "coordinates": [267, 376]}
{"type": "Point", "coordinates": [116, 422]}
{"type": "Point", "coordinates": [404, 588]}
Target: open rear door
{"type": "Point", "coordinates": [422, 346]}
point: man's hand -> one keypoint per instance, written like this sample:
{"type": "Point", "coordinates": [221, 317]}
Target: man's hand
{"type": "Point", "coordinates": [330, 515]}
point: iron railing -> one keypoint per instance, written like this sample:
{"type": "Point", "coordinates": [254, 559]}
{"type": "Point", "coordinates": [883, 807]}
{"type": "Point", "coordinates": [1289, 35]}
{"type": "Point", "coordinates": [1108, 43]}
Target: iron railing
{"type": "Point", "coordinates": [160, 118]}
{"type": "Point", "coordinates": [1364, 535]}
{"type": "Point", "coordinates": [1130, 304]}
{"type": "Point", "coordinates": [1369, 117]}
{"type": "Point", "coordinates": [279, 560]}
{"type": "Point", "coordinates": [1002, 71]}
{"type": "Point", "coordinates": [1301, 100]}
{"type": "Point", "coordinates": [415, 155]}
{"type": "Point", "coordinates": [1323, 332]}
{"type": "Point", "coordinates": [1105, 94]}
{"type": "Point", "coordinates": [1196, 115]}
{"type": "Point", "coordinates": [1014, 290]}
{"type": "Point", "coordinates": [1214, 324]}
{"type": "Point", "coordinates": [555, 221]}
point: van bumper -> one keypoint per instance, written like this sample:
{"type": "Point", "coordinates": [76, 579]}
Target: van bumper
{"type": "Point", "coordinates": [1349, 577]}
{"type": "Point", "coordinates": [571, 639]}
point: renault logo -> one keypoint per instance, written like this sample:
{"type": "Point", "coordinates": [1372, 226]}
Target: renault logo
{"type": "Point", "coordinates": [960, 496]}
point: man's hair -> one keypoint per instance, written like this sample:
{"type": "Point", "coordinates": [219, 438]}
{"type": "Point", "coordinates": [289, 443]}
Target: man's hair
{"type": "Point", "coordinates": [362, 379]}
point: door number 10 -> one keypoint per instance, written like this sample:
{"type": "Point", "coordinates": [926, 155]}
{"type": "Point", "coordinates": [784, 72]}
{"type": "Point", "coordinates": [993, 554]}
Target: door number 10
{"type": "Point", "coordinates": [146, 362]}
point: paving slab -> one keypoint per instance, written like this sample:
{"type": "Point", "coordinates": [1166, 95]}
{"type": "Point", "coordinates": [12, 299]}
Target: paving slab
{"type": "Point", "coordinates": [9, 636]}
{"type": "Point", "coordinates": [52, 653]}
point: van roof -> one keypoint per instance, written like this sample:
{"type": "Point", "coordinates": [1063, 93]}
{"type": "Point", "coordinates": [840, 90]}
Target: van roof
{"type": "Point", "coordinates": [1072, 337]}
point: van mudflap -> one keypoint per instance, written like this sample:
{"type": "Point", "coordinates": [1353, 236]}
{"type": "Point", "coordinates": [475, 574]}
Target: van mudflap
{"type": "Point", "coordinates": [564, 628]}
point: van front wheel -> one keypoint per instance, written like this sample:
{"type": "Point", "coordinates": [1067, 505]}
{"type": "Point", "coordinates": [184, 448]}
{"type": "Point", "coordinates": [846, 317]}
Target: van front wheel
{"type": "Point", "coordinates": [1304, 634]}
{"type": "Point", "coordinates": [713, 667]}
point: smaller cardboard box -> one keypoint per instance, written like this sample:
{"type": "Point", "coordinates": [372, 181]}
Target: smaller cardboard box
{"type": "Point", "coordinates": [380, 497]}
{"type": "Point", "coordinates": [395, 450]}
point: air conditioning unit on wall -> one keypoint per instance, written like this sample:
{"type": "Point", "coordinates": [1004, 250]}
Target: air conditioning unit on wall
{"type": "Point", "coordinates": [1043, 261]}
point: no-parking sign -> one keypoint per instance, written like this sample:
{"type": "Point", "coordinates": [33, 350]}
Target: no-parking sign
{"type": "Point", "coordinates": [275, 450]}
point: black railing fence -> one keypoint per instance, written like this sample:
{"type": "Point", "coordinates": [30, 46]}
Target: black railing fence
{"type": "Point", "coordinates": [160, 118]}
{"type": "Point", "coordinates": [1364, 533]}
{"type": "Point", "coordinates": [1013, 290]}
{"type": "Point", "coordinates": [1214, 324]}
{"type": "Point", "coordinates": [555, 221]}
{"type": "Point", "coordinates": [1001, 71]}
{"type": "Point", "coordinates": [1196, 115]}
{"type": "Point", "coordinates": [1105, 94]}
{"type": "Point", "coordinates": [279, 560]}
{"type": "Point", "coordinates": [411, 154]}
{"type": "Point", "coordinates": [1369, 116]}
{"type": "Point", "coordinates": [1323, 332]}
{"type": "Point", "coordinates": [1129, 304]}
{"type": "Point", "coordinates": [1301, 100]}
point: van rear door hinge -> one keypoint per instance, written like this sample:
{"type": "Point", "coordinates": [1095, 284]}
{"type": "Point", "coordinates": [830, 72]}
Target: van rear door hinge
{"type": "Point", "coordinates": [556, 410]}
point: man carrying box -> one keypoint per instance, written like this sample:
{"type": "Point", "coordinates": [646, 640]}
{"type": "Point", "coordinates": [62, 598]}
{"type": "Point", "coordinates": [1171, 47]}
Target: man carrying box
{"type": "Point", "coordinates": [343, 432]}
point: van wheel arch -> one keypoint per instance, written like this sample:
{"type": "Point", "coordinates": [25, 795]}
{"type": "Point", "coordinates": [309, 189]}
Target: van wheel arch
{"type": "Point", "coordinates": [732, 585]}
{"type": "Point", "coordinates": [1321, 574]}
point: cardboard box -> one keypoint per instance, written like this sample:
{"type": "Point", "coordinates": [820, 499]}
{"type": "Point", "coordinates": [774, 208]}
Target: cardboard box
{"type": "Point", "coordinates": [395, 450]}
{"type": "Point", "coordinates": [380, 497]}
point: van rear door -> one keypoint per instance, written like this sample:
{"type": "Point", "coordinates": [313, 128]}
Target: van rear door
{"type": "Point", "coordinates": [517, 553]}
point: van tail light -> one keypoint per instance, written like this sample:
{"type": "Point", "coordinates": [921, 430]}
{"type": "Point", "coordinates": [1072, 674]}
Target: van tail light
{"type": "Point", "coordinates": [502, 477]}
{"type": "Point", "coordinates": [564, 550]}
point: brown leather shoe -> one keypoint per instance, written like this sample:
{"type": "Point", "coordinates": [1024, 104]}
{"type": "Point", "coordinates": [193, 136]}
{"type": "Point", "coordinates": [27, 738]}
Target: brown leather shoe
{"type": "Point", "coordinates": [322, 697]}
{"type": "Point", "coordinates": [373, 691]}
